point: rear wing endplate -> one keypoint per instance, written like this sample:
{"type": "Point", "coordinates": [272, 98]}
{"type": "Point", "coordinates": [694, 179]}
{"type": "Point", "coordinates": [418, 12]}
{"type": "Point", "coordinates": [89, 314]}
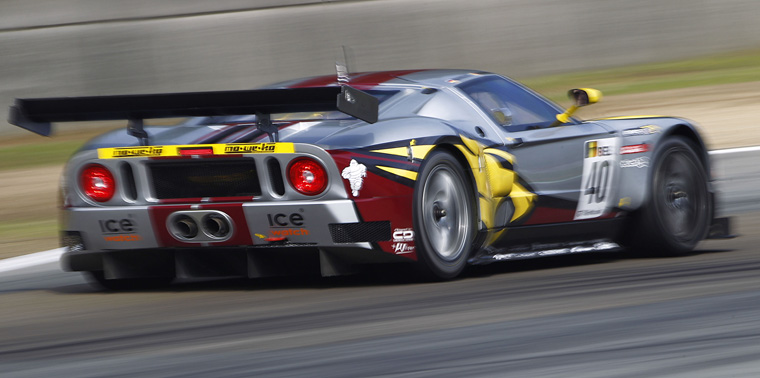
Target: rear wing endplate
{"type": "Point", "coordinates": [37, 114]}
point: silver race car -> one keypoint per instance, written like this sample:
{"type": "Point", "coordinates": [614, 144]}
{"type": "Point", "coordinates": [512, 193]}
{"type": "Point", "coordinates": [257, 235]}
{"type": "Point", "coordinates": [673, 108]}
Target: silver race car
{"type": "Point", "coordinates": [440, 168]}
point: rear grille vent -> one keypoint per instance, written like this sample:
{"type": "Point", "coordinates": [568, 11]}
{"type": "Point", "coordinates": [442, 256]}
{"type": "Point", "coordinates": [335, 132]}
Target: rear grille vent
{"type": "Point", "coordinates": [275, 176]}
{"type": "Point", "coordinates": [206, 178]}
{"type": "Point", "coordinates": [360, 232]}
{"type": "Point", "coordinates": [130, 188]}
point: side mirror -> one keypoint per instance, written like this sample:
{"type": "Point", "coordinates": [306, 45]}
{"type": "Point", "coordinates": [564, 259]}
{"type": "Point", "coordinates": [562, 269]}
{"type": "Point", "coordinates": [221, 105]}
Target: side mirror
{"type": "Point", "coordinates": [581, 97]}
{"type": "Point", "coordinates": [584, 96]}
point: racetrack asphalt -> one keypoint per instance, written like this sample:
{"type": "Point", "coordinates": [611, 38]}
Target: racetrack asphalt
{"type": "Point", "coordinates": [578, 316]}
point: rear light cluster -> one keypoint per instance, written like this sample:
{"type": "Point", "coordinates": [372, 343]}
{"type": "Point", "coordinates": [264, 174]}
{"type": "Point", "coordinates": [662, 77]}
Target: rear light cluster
{"type": "Point", "coordinates": [97, 182]}
{"type": "Point", "coordinates": [307, 176]}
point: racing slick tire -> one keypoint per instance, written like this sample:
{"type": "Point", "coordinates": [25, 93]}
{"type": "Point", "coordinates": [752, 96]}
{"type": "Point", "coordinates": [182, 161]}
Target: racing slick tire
{"type": "Point", "coordinates": [97, 279]}
{"type": "Point", "coordinates": [444, 214]}
{"type": "Point", "coordinates": [678, 212]}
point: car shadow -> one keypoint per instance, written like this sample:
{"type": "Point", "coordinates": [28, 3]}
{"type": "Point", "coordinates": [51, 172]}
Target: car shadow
{"type": "Point", "coordinates": [377, 275]}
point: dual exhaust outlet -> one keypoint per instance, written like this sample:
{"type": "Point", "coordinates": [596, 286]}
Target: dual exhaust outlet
{"type": "Point", "coordinates": [200, 226]}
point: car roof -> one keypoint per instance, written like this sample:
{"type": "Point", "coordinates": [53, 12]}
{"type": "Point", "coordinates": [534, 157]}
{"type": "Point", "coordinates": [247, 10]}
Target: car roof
{"type": "Point", "coordinates": [367, 80]}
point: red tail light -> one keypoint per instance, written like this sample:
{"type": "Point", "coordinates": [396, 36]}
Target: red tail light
{"type": "Point", "coordinates": [97, 182]}
{"type": "Point", "coordinates": [307, 176]}
{"type": "Point", "coordinates": [196, 151]}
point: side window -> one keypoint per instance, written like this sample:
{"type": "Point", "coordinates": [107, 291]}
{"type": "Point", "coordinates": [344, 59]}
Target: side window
{"type": "Point", "coordinates": [510, 105]}
{"type": "Point", "coordinates": [448, 107]}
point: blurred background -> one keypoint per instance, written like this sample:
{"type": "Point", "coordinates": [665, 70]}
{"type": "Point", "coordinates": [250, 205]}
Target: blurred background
{"type": "Point", "coordinates": [695, 316]}
{"type": "Point", "coordinates": [645, 55]}
{"type": "Point", "coordinates": [97, 47]}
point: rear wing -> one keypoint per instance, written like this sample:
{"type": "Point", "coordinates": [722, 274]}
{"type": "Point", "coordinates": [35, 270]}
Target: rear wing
{"type": "Point", "coordinates": [37, 114]}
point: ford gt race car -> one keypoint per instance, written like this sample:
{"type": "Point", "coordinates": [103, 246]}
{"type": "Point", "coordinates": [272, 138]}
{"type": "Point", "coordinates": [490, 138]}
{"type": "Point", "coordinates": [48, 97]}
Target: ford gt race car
{"type": "Point", "coordinates": [440, 168]}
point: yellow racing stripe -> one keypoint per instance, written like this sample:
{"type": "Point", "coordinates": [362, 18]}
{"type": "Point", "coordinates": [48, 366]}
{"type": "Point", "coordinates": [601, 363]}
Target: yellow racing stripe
{"type": "Point", "coordinates": [176, 150]}
{"type": "Point", "coordinates": [411, 175]}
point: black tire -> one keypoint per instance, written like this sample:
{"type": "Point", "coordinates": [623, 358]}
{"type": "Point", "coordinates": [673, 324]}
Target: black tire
{"type": "Point", "coordinates": [99, 281]}
{"type": "Point", "coordinates": [444, 215]}
{"type": "Point", "coordinates": [678, 212]}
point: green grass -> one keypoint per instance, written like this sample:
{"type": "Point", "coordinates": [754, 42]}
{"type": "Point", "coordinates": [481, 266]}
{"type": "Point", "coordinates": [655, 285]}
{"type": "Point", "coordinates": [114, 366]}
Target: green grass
{"type": "Point", "coordinates": [19, 230]}
{"type": "Point", "coordinates": [737, 67]}
{"type": "Point", "coordinates": [40, 153]}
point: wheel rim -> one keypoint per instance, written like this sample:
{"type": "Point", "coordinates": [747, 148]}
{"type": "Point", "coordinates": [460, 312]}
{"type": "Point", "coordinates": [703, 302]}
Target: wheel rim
{"type": "Point", "coordinates": [445, 214]}
{"type": "Point", "coordinates": [682, 195]}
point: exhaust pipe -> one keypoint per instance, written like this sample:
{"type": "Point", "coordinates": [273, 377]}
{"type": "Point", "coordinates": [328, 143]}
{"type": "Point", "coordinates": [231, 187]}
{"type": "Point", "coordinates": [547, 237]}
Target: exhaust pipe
{"type": "Point", "coordinates": [184, 227]}
{"type": "Point", "coordinates": [216, 225]}
{"type": "Point", "coordinates": [200, 226]}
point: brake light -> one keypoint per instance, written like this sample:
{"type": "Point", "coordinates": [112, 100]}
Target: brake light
{"type": "Point", "coordinates": [97, 182]}
{"type": "Point", "coordinates": [307, 176]}
{"type": "Point", "coordinates": [196, 151]}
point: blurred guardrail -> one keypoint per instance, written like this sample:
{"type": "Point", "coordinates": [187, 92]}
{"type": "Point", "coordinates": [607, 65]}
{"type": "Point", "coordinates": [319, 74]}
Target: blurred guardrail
{"type": "Point", "coordinates": [92, 47]}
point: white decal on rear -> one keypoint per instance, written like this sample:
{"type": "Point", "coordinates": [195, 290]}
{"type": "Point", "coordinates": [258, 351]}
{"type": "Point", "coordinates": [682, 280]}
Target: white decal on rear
{"type": "Point", "coordinates": [355, 174]}
{"type": "Point", "coordinates": [599, 166]}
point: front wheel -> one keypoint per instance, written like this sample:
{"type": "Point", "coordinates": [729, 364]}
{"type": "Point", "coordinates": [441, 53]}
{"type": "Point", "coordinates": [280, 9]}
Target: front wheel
{"type": "Point", "coordinates": [443, 216]}
{"type": "Point", "coordinates": [678, 212]}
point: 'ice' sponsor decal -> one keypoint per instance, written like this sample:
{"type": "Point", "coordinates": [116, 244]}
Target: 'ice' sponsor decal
{"type": "Point", "coordinates": [597, 181]}
{"type": "Point", "coordinates": [119, 230]}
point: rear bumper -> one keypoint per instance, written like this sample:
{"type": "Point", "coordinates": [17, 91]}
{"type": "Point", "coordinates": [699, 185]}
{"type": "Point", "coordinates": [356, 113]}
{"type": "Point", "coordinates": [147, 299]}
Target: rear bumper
{"type": "Point", "coordinates": [319, 224]}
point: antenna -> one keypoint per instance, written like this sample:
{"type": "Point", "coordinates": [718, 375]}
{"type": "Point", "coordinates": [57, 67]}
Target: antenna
{"type": "Point", "coordinates": [343, 65]}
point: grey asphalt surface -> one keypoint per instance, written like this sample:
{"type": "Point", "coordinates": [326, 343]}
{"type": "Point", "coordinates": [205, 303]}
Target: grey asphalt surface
{"type": "Point", "coordinates": [580, 316]}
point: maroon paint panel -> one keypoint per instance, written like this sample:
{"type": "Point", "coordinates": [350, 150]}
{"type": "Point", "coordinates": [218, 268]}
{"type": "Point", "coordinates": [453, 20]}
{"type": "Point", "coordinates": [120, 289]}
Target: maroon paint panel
{"type": "Point", "coordinates": [382, 199]}
{"type": "Point", "coordinates": [363, 79]}
{"type": "Point", "coordinates": [397, 210]}
{"type": "Point", "coordinates": [544, 215]}
{"type": "Point", "coordinates": [159, 215]}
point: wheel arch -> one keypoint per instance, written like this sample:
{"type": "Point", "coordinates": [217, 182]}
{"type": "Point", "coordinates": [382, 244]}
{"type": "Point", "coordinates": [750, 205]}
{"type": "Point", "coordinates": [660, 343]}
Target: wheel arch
{"type": "Point", "coordinates": [688, 132]}
{"type": "Point", "coordinates": [462, 160]}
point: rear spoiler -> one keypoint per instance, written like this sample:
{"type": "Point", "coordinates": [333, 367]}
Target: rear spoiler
{"type": "Point", "coordinates": [37, 114]}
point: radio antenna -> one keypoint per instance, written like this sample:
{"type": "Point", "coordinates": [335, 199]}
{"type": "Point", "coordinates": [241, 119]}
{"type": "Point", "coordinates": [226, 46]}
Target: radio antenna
{"type": "Point", "coordinates": [344, 64]}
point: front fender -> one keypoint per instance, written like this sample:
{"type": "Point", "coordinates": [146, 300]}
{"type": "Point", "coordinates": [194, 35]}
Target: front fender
{"type": "Point", "coordinates": [640, 140]}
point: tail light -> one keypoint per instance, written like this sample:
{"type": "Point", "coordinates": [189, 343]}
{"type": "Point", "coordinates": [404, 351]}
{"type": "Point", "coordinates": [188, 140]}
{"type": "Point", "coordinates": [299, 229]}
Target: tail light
{"type": "Point", "coordinates": [307, 176]}
{"type": "Point", "coordinates": [97, 182]}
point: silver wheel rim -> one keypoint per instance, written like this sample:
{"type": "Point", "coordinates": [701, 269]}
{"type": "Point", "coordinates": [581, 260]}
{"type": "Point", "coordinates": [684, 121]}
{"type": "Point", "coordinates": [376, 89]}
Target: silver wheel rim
{"type": "Point", "coordinates": [445, 214]}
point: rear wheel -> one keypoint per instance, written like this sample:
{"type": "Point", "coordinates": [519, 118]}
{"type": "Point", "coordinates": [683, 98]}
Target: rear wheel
{"type": "Point", "coordinates": [98, 279]}
{"type": "Point", "coordinates": [678, 212]}
{"type": "Point", "coordinates": [443, 217]}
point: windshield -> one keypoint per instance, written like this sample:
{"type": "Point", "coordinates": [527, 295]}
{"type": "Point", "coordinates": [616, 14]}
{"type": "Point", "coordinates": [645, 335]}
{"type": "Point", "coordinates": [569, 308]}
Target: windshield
{"type": "Point", "coordinates": [510, 105]}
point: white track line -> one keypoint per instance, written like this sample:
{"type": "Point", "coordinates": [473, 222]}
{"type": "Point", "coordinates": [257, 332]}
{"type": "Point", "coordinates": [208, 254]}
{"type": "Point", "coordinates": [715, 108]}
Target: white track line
{"type": "Point", "coordinates": [30, 260]}
{"type": "Point", "coordinates": [735, 150]}
{"type": "Point", "coordinates": [39, 258]}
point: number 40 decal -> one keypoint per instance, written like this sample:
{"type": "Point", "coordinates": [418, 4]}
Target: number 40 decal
{"type": "Point", "coordinates": [596, 184]}
{"type": "Point", "coordinates": [598, 177]}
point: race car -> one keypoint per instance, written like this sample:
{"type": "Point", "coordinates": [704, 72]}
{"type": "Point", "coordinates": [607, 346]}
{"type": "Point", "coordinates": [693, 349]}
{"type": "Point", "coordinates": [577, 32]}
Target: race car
{"type": "Point", "coordinates": [438, 168]}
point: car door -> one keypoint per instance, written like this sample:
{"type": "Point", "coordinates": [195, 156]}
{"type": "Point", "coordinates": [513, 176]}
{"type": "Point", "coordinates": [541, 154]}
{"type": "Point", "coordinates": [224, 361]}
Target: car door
{"type": "Point", "coordinates": [571, 168]}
